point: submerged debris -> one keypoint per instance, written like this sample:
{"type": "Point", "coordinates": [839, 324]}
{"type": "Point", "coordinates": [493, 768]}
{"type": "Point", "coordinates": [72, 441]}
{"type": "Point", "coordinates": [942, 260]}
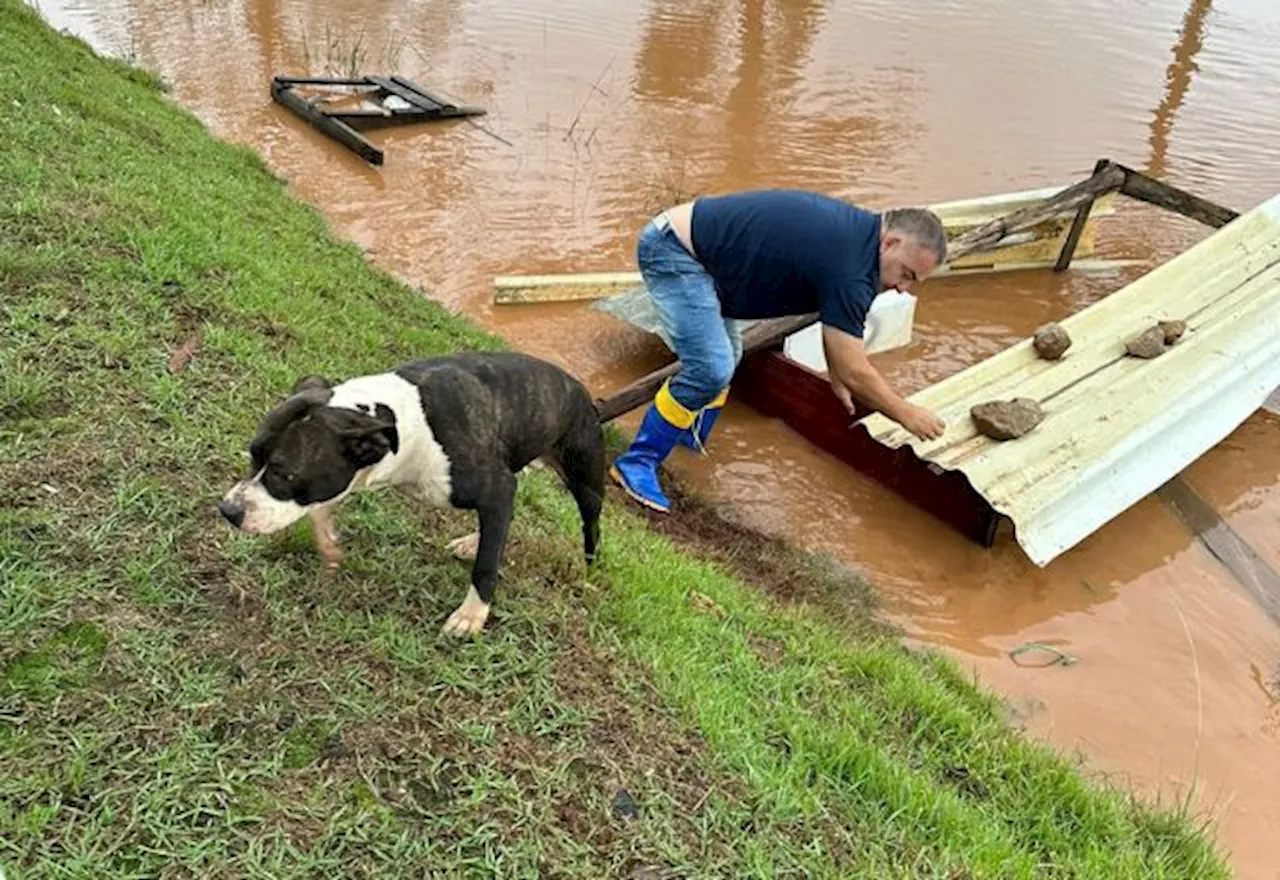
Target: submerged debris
{"type": "Point", "coordinates": [1007, 419]}
{"type": "Point", "coordinates": [1147, 344]}
{"type": "Point", "coordinates": [1051, 341]}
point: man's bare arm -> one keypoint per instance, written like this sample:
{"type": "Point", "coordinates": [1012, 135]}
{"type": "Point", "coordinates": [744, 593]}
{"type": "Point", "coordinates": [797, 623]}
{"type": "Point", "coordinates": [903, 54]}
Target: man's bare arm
{"type": "Point", "coordinates": [852, 372]}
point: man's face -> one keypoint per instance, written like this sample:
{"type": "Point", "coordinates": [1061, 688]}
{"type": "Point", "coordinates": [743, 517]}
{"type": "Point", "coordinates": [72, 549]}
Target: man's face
{"type": "Point", "coordinates": [903, 263]}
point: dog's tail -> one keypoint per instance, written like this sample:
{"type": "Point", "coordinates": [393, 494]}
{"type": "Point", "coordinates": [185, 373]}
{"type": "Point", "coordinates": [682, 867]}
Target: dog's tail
{"type": "Point", "coordinates": [580, 459]}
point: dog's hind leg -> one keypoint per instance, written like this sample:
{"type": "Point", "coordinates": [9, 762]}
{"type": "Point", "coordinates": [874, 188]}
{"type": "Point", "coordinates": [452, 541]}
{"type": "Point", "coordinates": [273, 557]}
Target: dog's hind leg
{"type": "Point", "coordinates": [326, 537]}
{"type": "Point", "coordinates": [580, 457]}
{"type": "Point", "coordinates": [495, 508]}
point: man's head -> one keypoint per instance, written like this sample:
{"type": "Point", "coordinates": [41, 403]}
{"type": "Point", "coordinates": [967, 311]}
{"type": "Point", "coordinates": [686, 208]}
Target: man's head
{"type": "Point", "coordinates": [912, 244]}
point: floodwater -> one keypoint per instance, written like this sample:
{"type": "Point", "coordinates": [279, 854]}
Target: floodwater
{"type": "Point", "coordinates": [600, 114]}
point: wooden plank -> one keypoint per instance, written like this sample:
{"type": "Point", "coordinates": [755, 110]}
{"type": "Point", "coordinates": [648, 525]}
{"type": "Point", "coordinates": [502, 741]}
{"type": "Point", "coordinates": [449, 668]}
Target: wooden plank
{"type": "Point", "coordinates": [780, 388]}
{"type": "Point", "coordinates": [1250, 570]}
{"type": "Point", "coordinates": [359, 114]}
{"type": "Point", "coordinates": [1078, 265]}
{"type": "Point", "coordinates": [636, 394]}
{"type": "Point", "coordinates": [323, 81]}
{"type": "Point", "coordinates": [430, 96]}
{"type": "Point", "coordinates": [334, 128]}
{"type": "Point", "coordinates": [544, 295]}
{"type": "Point", "coordinates": [1139, 186]}
{"type": "Point", "coordinates": [423, 103]}
{"type": "Point", "coordinates": [423, 100]}
{"type": "Point", "coordinates": [568, 287]}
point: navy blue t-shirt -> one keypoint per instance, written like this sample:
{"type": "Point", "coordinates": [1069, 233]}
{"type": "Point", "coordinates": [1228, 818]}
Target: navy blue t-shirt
{"type": "Point", "coordinates": [787, 252]}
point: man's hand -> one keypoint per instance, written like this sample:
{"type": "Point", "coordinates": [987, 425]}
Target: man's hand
{"type": "Point", "coordinates": [921, 422]}
{"type": "Point", "coordinates": [851, 373]}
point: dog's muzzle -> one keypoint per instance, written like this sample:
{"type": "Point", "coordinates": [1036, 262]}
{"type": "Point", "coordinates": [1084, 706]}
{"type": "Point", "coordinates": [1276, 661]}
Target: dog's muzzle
{"type": "Point", "coordinates": [232, 512]}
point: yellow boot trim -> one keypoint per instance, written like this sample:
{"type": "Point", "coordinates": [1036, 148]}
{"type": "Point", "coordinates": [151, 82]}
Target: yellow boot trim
{"type": "Point", "coordinates": [672, 410]}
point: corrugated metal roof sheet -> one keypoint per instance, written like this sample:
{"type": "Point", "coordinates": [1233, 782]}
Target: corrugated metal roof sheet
{"type": "Point", "coordinates": [1118, 427]}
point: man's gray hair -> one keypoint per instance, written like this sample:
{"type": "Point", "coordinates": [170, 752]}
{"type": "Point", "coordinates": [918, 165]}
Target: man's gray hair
{"type": "Point", "coordinates": [922, 225]}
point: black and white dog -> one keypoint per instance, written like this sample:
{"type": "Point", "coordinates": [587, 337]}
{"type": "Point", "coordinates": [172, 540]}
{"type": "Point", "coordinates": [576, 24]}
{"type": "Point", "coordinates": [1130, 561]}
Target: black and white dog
{"type": "Point", "coordinates": [451, 430]}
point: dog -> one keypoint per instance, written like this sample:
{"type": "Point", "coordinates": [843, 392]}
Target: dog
{"type": "Point", "coordinates": [451, 431]}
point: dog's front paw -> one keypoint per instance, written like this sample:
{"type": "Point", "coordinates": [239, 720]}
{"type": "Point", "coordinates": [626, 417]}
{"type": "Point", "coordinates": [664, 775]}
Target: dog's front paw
{"type": "Point", "coordinates": [470, 617]}
{"type": "Point", "coordinates": [466, 547]}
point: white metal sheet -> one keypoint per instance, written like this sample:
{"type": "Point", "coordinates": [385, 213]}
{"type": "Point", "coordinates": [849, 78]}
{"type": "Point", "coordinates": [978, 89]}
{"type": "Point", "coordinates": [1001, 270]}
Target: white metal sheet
{"type": "Point", "coordinates": [1118, 427]}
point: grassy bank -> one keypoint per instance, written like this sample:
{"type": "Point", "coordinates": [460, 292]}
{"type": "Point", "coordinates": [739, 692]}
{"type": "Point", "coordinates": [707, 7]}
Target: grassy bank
{"type": "Point", "coordinates": [177, 700]}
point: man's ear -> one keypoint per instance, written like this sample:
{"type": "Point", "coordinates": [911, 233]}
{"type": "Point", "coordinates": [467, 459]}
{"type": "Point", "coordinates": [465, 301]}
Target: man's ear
{"type": "Point", "coordinates": [366, 439]}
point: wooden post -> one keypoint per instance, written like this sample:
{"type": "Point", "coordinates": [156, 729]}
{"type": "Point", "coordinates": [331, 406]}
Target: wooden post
{"type": "Point", "coordinates": [344, 134]}
{"type": "Point", "coordinates": [1077, 228]}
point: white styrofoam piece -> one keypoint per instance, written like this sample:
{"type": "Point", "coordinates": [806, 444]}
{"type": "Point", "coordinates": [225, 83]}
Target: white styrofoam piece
{"type": "Point", "coordinates": [889, 324]}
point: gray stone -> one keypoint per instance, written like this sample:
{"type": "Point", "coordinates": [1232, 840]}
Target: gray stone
{"type": "Point", "coordinates": [1172, 330]}
{"type": "Point", "coordinates": [1007, 419]}
{"type": "Point", "coordinates": [1147, 344]}
{"type": "Point", "coordinates": [1051, 341]}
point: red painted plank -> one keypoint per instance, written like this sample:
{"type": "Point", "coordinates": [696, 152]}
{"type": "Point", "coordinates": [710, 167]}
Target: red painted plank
{"type": "Point", "coordinates": [783, 389]}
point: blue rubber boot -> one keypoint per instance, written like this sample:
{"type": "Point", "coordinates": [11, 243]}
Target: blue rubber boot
{"type": "Point", "coordinates": [636, 470]}
{"type": "Point", "coordinates": [696, 437]}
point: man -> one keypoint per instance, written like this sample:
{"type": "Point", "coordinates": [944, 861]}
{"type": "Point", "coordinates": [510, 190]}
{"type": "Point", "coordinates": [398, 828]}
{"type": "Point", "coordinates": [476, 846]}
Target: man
{"type": "Point", "coordinates": [716, 260]}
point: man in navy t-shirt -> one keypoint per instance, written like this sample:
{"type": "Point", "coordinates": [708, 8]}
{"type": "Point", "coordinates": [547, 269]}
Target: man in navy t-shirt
{"type": "Point", "coordinates": [717, 260]}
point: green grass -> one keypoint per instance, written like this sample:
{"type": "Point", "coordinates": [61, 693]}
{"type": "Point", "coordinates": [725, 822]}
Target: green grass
{"type": "Point", "coordinates": [177, 700]}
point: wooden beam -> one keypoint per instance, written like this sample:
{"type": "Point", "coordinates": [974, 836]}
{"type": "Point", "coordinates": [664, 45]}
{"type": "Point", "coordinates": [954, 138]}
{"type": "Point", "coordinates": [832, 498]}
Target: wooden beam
{"type": "Point", "coordinates": [1077, 227]}
{"type": "Point", "coordinates": [334, 128]}
{"type": "Point", "coordinates": [1225, 544]}
{"type": "Point", "coordinates": [323, 81]}
{"type": "Point", "coordinates": [582, 287]}
{"type": "Point", "coordinates": [449, 106]}
{"type": "Point", "coordinates": [636, 394]}
{"type": "Point", "coordinates": [510, 289]}
{"type": "Point", "coordinates": [1138, 186]}
{"type": "Point", "coordinates": [433, 108]}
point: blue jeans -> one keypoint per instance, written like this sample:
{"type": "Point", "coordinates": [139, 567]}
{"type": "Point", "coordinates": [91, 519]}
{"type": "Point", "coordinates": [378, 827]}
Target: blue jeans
{"type": "Point", "coordinates": [708, 345]}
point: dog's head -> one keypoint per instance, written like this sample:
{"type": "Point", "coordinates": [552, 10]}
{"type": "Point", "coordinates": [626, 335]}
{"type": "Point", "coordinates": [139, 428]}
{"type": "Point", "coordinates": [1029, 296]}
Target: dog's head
{"type": "Point", "coordinates": [306, 453]}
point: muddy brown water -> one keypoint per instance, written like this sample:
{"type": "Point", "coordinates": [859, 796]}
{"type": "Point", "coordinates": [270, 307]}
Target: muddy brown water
{"type": "Point", "coordinates": [611, 111]}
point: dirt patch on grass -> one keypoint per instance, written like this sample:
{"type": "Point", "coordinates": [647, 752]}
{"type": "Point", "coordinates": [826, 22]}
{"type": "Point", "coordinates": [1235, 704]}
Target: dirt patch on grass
{"type": "Point", "coordinates": [782, 571]}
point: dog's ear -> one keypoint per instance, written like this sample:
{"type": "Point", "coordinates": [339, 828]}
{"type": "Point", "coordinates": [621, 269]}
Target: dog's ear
{"type": "Point", "coordinates": [311, 383]}
{"type": "Point", "coordinates": [273, 424]}
{"type": "Point", "coordinates": [366, 439]}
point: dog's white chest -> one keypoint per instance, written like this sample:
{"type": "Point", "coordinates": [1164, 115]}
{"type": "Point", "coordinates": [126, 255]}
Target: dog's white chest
{"type": "Point", "coordinates": [433, 484]}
